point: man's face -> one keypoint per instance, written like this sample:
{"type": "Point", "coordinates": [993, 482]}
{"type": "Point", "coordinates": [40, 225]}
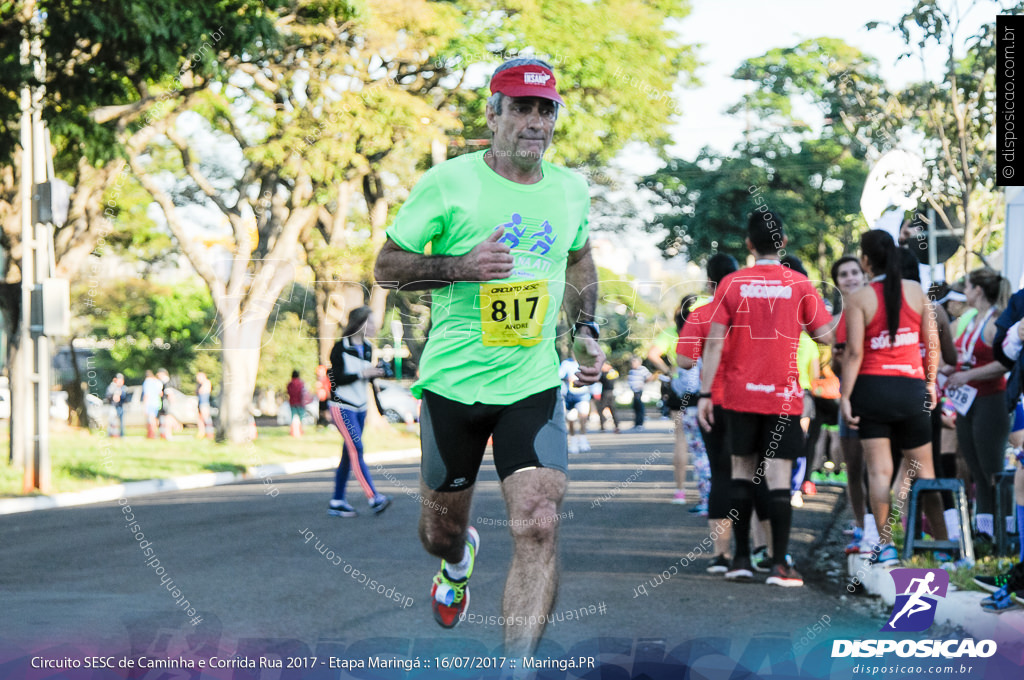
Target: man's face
{"type": "Point", "coordinates": [523, 131]}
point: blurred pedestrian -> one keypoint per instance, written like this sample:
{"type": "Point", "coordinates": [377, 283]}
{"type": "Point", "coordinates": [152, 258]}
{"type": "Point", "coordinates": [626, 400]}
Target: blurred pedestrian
{"type": "Point", "coordinates": [323, 394]}
{"type": "Point", "coordinates": [152, 396]}
{"type": "Point", "coordinates": [637, 378]}
{"type": "Point", "coordinates": [164, 416]}
{"type": "Point", "coordinates": [115, 397]}
{"type": "Point", "coordinates": [607, 401]}
{"type": "Point", "coordinates": [204, 389]}
{"type": "Point", "coordinates": [297, 400]}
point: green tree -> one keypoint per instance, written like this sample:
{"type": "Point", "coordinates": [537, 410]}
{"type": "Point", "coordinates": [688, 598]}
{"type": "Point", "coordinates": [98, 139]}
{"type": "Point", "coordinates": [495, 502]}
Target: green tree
{"type": "Point", "coordinates": [151, 324]}
{"type": "Point", "coordinates": [109, 66]}
{"type": "Point", "coordinates": [954, 113]}
{"type": "Point", "coordinates": [812, 173]}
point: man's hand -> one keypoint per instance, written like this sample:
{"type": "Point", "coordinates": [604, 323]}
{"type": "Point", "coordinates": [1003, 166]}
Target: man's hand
{"type": "Point", "coordinates": [488, 260]}
{"type": "Point", "coordinates": [590, 357]}
{"type": "Point", "coordinates": [705, 413]}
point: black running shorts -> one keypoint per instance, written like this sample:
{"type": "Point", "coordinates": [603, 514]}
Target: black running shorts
{"type": "Point", "coordinates": [767, 436]}
{"type": "Point", "coordinates": [528, 433]}
{"type": "Point", "coordinates": [892, 407]}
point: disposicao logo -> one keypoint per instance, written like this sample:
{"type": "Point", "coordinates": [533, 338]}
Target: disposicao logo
{"type": "Point", "coordinates": [917, 595]}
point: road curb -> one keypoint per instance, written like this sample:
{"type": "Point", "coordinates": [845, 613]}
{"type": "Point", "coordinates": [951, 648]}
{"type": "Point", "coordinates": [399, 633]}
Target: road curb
{"type": "Point", "coordinates": [959, 607]}
{"type": "Point", "coordinates": [11, 506]}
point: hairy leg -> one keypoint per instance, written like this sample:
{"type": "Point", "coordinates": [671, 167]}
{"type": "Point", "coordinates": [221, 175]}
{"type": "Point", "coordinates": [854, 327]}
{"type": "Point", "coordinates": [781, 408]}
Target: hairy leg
{"type": "Point", "coordinates": [533, 497]}
{"type": "Point", "coordinates": [444, 516]}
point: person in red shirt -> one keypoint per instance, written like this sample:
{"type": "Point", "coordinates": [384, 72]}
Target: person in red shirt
{"type": "Point", "coordinates": [689, 348]}
{"type": "Point", "coordinates": [887, 390]}
{"type": "Point", "coordinates": [982, 429]}
{"type": "Point", "coordinates": [297, 403]}
{"type": "Point", "coordinates": [848, 276]}
{"type": "Point", "coordinates": [758, 315]}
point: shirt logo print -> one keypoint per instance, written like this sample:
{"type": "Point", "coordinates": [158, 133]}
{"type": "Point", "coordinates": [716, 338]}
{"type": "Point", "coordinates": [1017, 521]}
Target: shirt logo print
{"type": "Point", "coordinates": [515, 235]}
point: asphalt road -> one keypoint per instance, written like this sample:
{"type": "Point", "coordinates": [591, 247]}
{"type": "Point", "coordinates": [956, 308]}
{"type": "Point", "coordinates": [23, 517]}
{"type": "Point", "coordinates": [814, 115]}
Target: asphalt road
{"type": "Point", "coordinates": [248, 561]}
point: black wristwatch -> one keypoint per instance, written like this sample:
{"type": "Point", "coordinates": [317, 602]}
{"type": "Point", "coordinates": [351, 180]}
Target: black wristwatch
{"type": "Point", "coordinates": [588, 324]}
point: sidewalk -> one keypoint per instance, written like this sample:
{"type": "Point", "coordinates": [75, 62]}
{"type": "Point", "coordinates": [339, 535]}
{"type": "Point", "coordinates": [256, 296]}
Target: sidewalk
{"type": "Point", "coordinates": [959, 608]}
{"type": "Point", "coordinates": [10, 506]}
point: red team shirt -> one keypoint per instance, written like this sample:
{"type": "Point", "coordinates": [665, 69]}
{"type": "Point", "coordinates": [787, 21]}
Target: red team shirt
{"type": "Point", "coordinates": [880, 356]}
{"type": "Point", "coordinates": [764, 307]}
{"type": "Point", "coordinates": [691, 343]}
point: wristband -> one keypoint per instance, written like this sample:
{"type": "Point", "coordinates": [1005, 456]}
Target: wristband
{"type": "Point", "coordinates": [588, 324]}
{"type": "Point", "coordinates": [704, 395]}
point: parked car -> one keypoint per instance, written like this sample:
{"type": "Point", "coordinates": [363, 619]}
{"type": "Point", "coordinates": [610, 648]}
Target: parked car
{"type": "Point", "coordinates": [398, 403]}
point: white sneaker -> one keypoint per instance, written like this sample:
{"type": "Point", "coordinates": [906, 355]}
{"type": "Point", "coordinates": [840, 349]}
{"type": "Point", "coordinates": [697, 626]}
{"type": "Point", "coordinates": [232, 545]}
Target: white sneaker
{"type": "Point", "coordinates": [584, 445]}
{"type": "Point", "coordinates": [573, 446]}
{"type": "Point", "coordinates": [797, 500]}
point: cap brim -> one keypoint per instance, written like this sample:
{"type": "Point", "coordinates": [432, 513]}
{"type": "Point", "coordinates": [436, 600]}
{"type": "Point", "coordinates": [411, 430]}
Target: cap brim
{"type": "Point", "coordinates": [526, 91]}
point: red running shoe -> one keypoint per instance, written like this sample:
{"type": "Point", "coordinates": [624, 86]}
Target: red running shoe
{"type": "Point", "coordinates": [449, 597]}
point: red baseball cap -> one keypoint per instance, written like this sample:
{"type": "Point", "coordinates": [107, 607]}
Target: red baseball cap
{"type": "Point", "coordinates": [526, 80]}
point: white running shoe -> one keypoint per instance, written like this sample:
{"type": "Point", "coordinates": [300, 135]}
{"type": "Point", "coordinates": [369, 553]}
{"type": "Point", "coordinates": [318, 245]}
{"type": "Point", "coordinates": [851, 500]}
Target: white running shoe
{"type": "Point", "coordinates": [584, 445]}
{"type": "Point", "coordinates": [574, 447]}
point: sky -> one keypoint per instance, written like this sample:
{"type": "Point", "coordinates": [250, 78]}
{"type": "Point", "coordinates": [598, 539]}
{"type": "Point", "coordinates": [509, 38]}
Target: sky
{"type": "Point", "coordinates": [730, 31]}
{"type": "Point", "coordinates": [726, 43]}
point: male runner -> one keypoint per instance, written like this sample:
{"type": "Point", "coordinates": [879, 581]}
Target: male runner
{"type": "Point", "coordinates": [758, 314]}
{"type": "Point", "coordinates": [507, 237]}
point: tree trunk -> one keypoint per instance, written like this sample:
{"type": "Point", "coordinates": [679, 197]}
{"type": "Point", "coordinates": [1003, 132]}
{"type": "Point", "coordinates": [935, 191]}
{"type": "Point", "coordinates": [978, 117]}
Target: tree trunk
{"type": "Point", "coordinates": [78, 415]}
{"type": "Point", "coordinates": [240, 357]}
{"type": "Point", "coordinates": [10, 308]}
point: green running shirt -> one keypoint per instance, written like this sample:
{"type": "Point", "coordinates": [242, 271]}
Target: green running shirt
{"type": "Point", "coordinates": [493, 343]}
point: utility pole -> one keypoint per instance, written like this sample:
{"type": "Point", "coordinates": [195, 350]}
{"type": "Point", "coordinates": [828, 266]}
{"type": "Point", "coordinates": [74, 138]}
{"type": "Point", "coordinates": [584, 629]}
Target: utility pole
{"type": "Point", "coordinates": [44, 300]}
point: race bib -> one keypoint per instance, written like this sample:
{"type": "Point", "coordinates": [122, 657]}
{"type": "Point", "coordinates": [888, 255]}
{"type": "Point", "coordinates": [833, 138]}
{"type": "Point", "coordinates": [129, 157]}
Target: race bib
{"type": "Point", "coordinates": [962, 398]}
{"type": "Point", "coordinates": [513, 313]}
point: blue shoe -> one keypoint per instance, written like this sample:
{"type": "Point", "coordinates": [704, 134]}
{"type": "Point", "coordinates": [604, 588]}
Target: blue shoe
{"type": "Point", "coordinates": [999, 602]}
{"type": "Point", "coordinates": [885, 556]}
{"type": "Point", "coordinates": [341, 509]}
{"type": "Point", "coordinates": [379, 504]}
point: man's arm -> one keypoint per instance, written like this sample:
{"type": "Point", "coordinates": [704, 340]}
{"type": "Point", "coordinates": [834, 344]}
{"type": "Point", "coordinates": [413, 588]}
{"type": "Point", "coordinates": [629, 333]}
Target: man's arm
{"type": "Point", "coordinates": [684, 362]}
{"type": "Point", "coordinates": [399, 268]}
{"type": "Point", "coordinates": [712, 358]}
{"type": "Point", "coordinates": [580, 304]}
{"type": "Point", "coordinates": [580, 299]}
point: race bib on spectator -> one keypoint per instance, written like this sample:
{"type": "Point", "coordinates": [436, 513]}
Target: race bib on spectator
{"type": "Point", "coordinates": [962, 398]}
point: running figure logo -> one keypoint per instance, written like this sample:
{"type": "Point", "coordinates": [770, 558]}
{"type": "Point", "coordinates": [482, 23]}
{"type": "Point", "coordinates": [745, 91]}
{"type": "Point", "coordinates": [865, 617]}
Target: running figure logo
{"type": "Point", "coordinates": [917, 596]}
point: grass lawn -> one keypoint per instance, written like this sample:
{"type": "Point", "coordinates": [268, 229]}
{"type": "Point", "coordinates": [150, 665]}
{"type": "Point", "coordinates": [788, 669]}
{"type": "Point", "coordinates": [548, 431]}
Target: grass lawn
{"type": "Point", "coordinates": [82, 460]}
